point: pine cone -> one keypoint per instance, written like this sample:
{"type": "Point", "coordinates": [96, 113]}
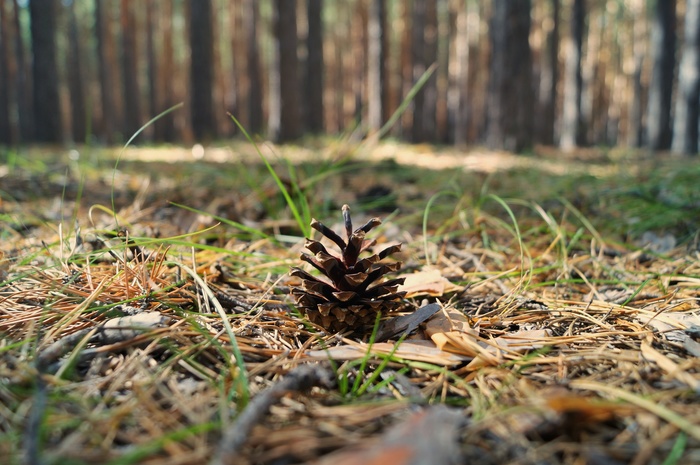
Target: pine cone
{"type": "Point", "coordinates": [351, 291]}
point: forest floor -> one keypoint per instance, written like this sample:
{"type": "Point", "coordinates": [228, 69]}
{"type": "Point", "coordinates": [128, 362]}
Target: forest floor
{"type": "Point", "coordinates": [551, 315]}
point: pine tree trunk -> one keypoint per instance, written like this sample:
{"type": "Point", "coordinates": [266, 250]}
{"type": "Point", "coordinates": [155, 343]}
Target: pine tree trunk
{"type": "Point", "coordinates": [418, 26]}
{"type": "Point", "coordinates": [284, 120]}
{"type": "Point", "coordinates": [509, 107]}
{"type": "Point", "coordinates": [430, 56]}
{"type": "Point", "coordinates": [152, 60]}
{"type": "Point", "coordinates": [132, 94]}
{"type": "Point", "coordinates": [634, 126]}
{"type": "Point", "coordinates": [165, 126]}
{"type": "Point", "coordinates": [106, 59]}
{"type": "Point", "coordinates": [549, 79]}
{"type": "Point", "coordinates": [24, 81]}
{"type": "Point", "coordinates": [376, 64]}
{"type": "Point", "coordinates": [48, 125]}
{"type": "Point", "coordinates": [76, 83]}
{"type": "Point", "coordinates": [201, 69]}
{"type": "Point", "coordinates": [686, 115]}
{"type": "Point", "coordinates": [313, 84]}
{"type": "Point", "coordinates": [571, 119]}
{"type": "Point", "coordinates": [663, 46]}
{"type": "Point", "coordinates": [6, 80]}
{"type": "Point", "coordinates": [250, 21]}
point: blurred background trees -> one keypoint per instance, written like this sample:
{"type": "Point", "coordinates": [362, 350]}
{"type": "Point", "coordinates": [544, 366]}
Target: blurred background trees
{"type": "Point", "coordinates": [510, 74]}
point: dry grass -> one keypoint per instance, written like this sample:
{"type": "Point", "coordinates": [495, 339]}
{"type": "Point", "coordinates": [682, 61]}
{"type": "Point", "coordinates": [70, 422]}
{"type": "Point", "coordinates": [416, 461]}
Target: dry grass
{"type": "Point", "coordinates": [554, 343]}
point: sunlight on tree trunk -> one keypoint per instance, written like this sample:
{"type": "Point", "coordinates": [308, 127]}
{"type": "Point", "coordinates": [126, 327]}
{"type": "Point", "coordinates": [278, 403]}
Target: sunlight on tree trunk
{"type": "Point", "coordinates": [285, 116]}
{"type": "Point", "coordinates": [509, 109]}
{"type": "Point", "coordinates": [571, 123]}
{"type": "Point", "coordinates": [663, 46]}
{"type": "Point", "coordinates": [686, 116]}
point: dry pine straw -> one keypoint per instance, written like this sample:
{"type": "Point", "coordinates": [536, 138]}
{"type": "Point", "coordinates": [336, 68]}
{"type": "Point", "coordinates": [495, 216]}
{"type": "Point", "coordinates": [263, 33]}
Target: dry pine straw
{"type": "Point", "coordinates": [547, 365]}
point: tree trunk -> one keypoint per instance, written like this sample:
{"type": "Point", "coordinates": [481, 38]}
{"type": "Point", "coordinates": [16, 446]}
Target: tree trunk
{"type": "Point", "coordinates": [634, 122]}
{"type": "Point", "coordinates": [47, 110]}
{"type": "Point", "coordinates": [458, 69]}
{"type": "Point", "coordinates": [663, 46]}
{"type": "Point", "coordinates": [356, 65]}
{"type": "Point", "coordinates": [201, 69]}
{"type": "Point", "coordinates": [107, 72]}
{"type": "Point", "coordinates": [6, 79]}
{"type": "Point", "coordinates": [376, 64]}
{"type": "Point", "coordinates": [406, 66]}
{"type": "Point", "coordinates": [132, 94]}
{"type": "Point", "coordinates": [421, 130]}
{"type": "Point", "coordinates": [165, 127]}
{"type": "Point", "coordinates": [685, 123]}
{"type": "Point", "coordinates": [313, 84]}
{"type": "Point", "coordinates": [223, 125]}
{"type": "Point", "coordinates": [549, 79]}
{"type": "Point", "coordinates": [509, 108]}
{"type": "Point", "coordinates": [250, 21]}
{"type": "Point", "coordinates": [572, 131]}
{"type": "Point", "coordinates": [430, 56]}
{"type": "Point", "coordinates": [152, 60]}
{"type": "Point", "coordinates": [76, 84]}
{"type": "Point", "coordinates": [24, 81]}
{"type": "Point", "coordinates": [284, 124]}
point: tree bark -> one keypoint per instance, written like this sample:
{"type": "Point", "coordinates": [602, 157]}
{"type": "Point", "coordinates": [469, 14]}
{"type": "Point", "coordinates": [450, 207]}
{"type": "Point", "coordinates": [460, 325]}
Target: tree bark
{"type": "Point", "coordinates": [132, 94]}
{"type": "Point", "coordinates": [201, 69]}
{"type": "Point", "coordinates": [165, 127]}
{"type": "Point", "coordinates": [458, 105]}
{"type": "Point", "coordinates": [685, 123]}
{"type": "Point", "coordinates": [76, 83]}
{"type": "Point", "coordinates": [376, 64]}
{"type": "Point", "coordinates": [509, 108]}
{"type": "Point", "coordinates": [24, 81]}
{"type": "Point", "coordinates": [284, 121]}
{"type": "Point", "coordinates": [430, 56]}
{"type": "Point", "coordinates": [549, 79]}
{"type": "Point", "coordinates": [663, 46]}
{"type": "Point", "coordinates": [572, 131]}
{"type": "Point", "coordinates": [420, 29]}
{"type": "Point", "coordinates": [634, 127]}
{"type": "Point", "coordinates": [48, 125]}
{"type": "Point", "coordinates": [152, 59]}
{"type": "Point", "coordinates": [250, 21]}
{"type": "Point", "coordinates": [106, 59]}
{"type": "Point", "coordinates": [313, 84]}
{"type": "Point", "coordinates": [6, 79]}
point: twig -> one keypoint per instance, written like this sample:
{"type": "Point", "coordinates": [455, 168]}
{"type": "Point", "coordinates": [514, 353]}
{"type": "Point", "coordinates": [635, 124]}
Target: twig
{"type": "Point", "coordinates": [112, 331]}
{"type": "Point", "coordinates": [32, 452]}
{"type": "Point", "coordinates": [300, 379]}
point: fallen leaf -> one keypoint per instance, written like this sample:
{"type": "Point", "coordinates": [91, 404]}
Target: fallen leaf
{"type": "Point", "coordinates": [427, 282]}
{"type": "Point", "coordinates": [417, 351]}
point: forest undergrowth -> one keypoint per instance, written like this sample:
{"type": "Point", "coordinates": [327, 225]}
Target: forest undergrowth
{"type": "Point", "coordinates": [550, 316]}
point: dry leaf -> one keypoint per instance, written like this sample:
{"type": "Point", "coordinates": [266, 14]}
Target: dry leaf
{"type": "Point", "coordinates": [427, 282]}
{"type": "Point", "coordinates": [417, 351]}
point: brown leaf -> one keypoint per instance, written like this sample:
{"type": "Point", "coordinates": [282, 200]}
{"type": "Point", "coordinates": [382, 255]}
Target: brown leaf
{"type": "Point", "coordinates": [427, 282]}
{"type": "Point", "coordinates": [417, 351]}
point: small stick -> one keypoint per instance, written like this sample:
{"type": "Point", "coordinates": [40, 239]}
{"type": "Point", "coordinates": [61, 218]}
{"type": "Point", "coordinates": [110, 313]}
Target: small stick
{"type": "Point", "coordinates": [300, 379]}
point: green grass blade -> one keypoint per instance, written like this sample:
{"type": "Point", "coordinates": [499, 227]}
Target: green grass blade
{"type": "Point", "coordinates": [134, 136]}
{"type": "Point", "coordinates": [304, 226]}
